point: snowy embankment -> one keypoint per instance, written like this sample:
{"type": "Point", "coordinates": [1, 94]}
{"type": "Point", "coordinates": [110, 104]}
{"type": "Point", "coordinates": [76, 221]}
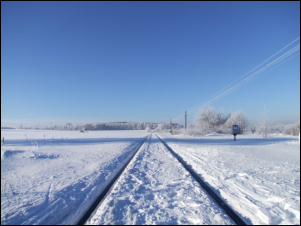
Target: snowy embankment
{"type": "Point", "coordinates": [259, 178]}
{"type": "Point", "coordinates": [156, 189]}
{"type": "Point", "coordinates": [54, 180]}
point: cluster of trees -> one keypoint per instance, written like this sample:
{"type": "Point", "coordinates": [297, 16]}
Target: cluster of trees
{"type": "Point", "coordinates": [127, 126]}
{"type": "Point", "coordinates": [54, 127]}
{"type": "Point", "coordinates": [164, 127]}
{"type": "Point", "coordinates": [209, 121]}
{"type": "Point", "coordinates": [110, 126]}
{"type": "Point", "coordinates": [292, 129]}
{"type": "Point", "coordinates": [286, 129]}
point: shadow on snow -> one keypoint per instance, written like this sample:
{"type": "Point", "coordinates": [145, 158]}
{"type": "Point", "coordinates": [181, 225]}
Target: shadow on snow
{"type": "Point", "coordinates": [229, 140]}
{"type": "Point", "coordinates": [63, 141]}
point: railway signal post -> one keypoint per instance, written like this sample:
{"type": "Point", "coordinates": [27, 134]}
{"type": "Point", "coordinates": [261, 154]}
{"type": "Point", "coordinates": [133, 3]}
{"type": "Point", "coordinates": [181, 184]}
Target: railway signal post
{"type": "Point", "coordinates": [235, 131]}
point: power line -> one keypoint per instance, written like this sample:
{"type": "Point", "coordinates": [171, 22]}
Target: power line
{"type": "Point", "coordinates": [244, 74]}
{"type": "Point", "coordinates": [260, 64]}
{"type": "Point", "coordinates": [239, 84]}
{"type": "Point", "coordinates": [251, 77]}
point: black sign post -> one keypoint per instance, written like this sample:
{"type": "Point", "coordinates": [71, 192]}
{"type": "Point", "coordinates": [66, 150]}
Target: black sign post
{"type": "Point", "coordinates": [235, 131]}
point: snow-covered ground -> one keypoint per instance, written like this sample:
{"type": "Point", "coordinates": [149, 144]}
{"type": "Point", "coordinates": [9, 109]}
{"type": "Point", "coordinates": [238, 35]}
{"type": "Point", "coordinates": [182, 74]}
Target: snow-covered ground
{"type": "Point", "coordinates": [54, 180]}
{"type": "Point", "coordinates": [259, 178]}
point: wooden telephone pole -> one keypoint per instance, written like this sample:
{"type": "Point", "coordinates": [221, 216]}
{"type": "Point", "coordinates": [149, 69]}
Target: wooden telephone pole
{"type": "Point", "coordinates": [170, 127]}
{"type": "Point", "coordinates": [185, 121]}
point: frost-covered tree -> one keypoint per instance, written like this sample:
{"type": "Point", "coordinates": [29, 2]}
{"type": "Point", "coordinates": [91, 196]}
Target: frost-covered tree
{"type": "Point", "coordinates": [147, 129]}
{"type": "Point", "coordinates": [220, 118]}
{"type": "Point", "coordinates": [69, 126]}
{"type": "Point", "coordinates": [159, 127]}
{"type": "Point", "coordinates": [263, 126]}
{"type": "Point", "coordinates": [88, 126]}
{"type": "Point", "coordinates": [207, 121]}
{"type": "Point", "coordinates": [238, 118]}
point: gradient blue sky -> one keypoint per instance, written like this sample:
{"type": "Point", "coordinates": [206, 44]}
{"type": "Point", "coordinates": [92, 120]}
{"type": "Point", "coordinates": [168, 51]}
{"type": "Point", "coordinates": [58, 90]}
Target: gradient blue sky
{"type": "Point", "coordinates": [144, 61]}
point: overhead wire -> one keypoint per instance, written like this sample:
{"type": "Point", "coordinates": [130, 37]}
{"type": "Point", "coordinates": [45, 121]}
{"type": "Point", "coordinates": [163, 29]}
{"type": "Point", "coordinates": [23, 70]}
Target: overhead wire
{"type": "Point", "coordinates": [257, 72]}
{"type": "Point", "coordinates": [197, 106]}
{"type": "Point", "coordinates": [256, 66]}
{"type": "Point", "coordinates": [251, 77]}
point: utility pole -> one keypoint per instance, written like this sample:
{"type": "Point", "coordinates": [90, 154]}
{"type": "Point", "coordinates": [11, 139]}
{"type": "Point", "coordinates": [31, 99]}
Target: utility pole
{"type": "Point", "coordinates": [170, 127]}
{"type": "Point", "coordinates": [185, 121]}
{"type": "Point", "coordinates": [265, 124]}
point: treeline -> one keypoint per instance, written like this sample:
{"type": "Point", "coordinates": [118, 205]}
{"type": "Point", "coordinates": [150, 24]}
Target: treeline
{"type": "Point", "coordinates": [127, 126]}
{"type": "Point", "coordinates": [109, 126]}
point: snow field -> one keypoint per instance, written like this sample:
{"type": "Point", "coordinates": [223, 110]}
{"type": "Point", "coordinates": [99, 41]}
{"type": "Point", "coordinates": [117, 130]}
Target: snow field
{"type": "Point", "coordinates": [156, 189]}
{"type": "Point", "coordinates": [56, 180]}
{"type": "Point", "coordinates": [258, 178]}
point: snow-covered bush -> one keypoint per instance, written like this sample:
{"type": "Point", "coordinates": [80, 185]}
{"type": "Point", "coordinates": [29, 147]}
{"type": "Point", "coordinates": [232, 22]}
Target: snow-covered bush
{"type": "Point", "coordinates": [147, 129]}
{"type": "Point", "coordinates": [292, 129]}
{"type": "Point", "coordinates": [223, 129]}
{"type": "Point", "coordinates": [178, 131]}
{"type": "Point", "coordinates": [279, 128]}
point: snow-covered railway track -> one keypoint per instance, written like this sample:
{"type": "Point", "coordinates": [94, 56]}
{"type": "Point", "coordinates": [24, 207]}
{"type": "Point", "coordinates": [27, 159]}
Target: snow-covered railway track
{"type": "Point", "coordinates": [106, 190]}
{"type": "Point", "coordinates": [221, 202]}
{"type": "Point", "coordinates": [156, 189]}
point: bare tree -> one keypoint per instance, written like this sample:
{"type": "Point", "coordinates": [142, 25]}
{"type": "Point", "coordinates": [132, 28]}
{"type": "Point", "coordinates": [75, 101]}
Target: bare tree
{"type": "Point", "coordinates": [69, 126]}
{"type": "Point", "coordinates": [263, 126]}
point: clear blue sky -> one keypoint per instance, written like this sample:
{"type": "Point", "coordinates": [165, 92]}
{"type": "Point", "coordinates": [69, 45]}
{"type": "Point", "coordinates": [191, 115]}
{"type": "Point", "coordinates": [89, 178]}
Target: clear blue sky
{"type": "Point", "coordinates": [144, 61]}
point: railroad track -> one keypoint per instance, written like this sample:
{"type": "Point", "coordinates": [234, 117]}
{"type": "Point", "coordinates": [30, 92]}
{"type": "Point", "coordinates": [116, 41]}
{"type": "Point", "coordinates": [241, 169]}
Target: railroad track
{"type": "Point", "coordinates": [222, 204]}
{"type": "Point", "coordinates": [106, 190]}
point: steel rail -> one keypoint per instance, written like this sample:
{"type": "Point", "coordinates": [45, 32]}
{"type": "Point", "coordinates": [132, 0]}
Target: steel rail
{"type": "Point", "coordinates": [107, 189]}
{"type": "Point", "coordinates": [221, 202]}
